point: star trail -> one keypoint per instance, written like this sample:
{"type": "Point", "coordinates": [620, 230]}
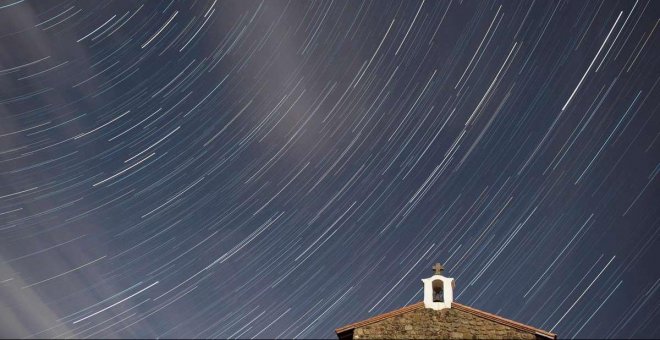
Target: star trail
{"type": "Point", "coordinates": [277, 169]}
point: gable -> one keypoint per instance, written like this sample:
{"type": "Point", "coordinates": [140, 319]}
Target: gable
{"type": "Point", "coordinates": [458, 322]}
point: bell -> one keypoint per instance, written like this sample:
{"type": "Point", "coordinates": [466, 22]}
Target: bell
{"type": "Point", "coordinates": [437, 291]}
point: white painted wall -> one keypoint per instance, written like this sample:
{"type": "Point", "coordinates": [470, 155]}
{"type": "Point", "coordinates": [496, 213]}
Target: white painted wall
{"type": "Point", "coordinates": [447, 290]}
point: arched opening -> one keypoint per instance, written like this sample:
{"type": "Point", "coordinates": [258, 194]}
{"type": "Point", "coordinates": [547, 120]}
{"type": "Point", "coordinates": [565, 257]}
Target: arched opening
{"type": "Point", "coordinates": [438, 295]}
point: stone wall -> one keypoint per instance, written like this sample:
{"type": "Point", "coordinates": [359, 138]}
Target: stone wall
{"type": "Point", "coordinates": [443, 324]}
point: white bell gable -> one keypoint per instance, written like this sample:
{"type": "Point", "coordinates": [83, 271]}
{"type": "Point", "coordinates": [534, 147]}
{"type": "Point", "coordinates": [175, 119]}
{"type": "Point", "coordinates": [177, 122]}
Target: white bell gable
{"type": "Point", "coordinates": [438, 290]}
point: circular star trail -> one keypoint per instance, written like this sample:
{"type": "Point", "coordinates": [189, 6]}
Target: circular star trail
{"type": "Point", "coordinates": [278, 169]}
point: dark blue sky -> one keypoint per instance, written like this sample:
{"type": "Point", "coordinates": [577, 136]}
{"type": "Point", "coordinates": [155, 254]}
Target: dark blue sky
{"type": "Point", "coordinates": [280, 169]}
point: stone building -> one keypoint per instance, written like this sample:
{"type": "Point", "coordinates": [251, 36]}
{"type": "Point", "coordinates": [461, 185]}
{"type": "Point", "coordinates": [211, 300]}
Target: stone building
{"type": "Point", "coordinates": [439, 317]}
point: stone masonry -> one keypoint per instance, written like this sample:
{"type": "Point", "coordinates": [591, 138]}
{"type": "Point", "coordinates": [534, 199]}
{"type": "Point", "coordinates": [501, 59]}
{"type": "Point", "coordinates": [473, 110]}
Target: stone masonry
{"type": "Point", "coordinates": [442, 324]}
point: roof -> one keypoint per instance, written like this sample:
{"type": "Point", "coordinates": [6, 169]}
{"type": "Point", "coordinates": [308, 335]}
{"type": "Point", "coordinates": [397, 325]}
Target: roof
{"type": "Point", "coordinates": [479, 313]}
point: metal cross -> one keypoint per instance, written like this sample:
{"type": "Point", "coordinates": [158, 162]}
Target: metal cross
{"type": "Point", "coordinates": [438, 269]}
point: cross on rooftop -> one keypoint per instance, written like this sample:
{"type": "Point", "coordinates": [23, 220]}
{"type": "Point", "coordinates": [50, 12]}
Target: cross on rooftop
{"type": "Point", "coordinates": [438, 269]}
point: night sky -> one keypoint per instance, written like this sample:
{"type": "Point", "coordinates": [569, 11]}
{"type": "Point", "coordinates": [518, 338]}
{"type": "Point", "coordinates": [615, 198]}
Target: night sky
{"type": "Point", "coordinates": [280, 169]}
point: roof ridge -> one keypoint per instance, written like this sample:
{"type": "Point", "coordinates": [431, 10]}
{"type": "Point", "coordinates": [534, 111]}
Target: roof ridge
{"type": "Point", "coordinates": [504, 321]}
{"type": "Point", "coordinates": [390, 314]}
{"type": "Point", "coordinates": [458, 306]}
